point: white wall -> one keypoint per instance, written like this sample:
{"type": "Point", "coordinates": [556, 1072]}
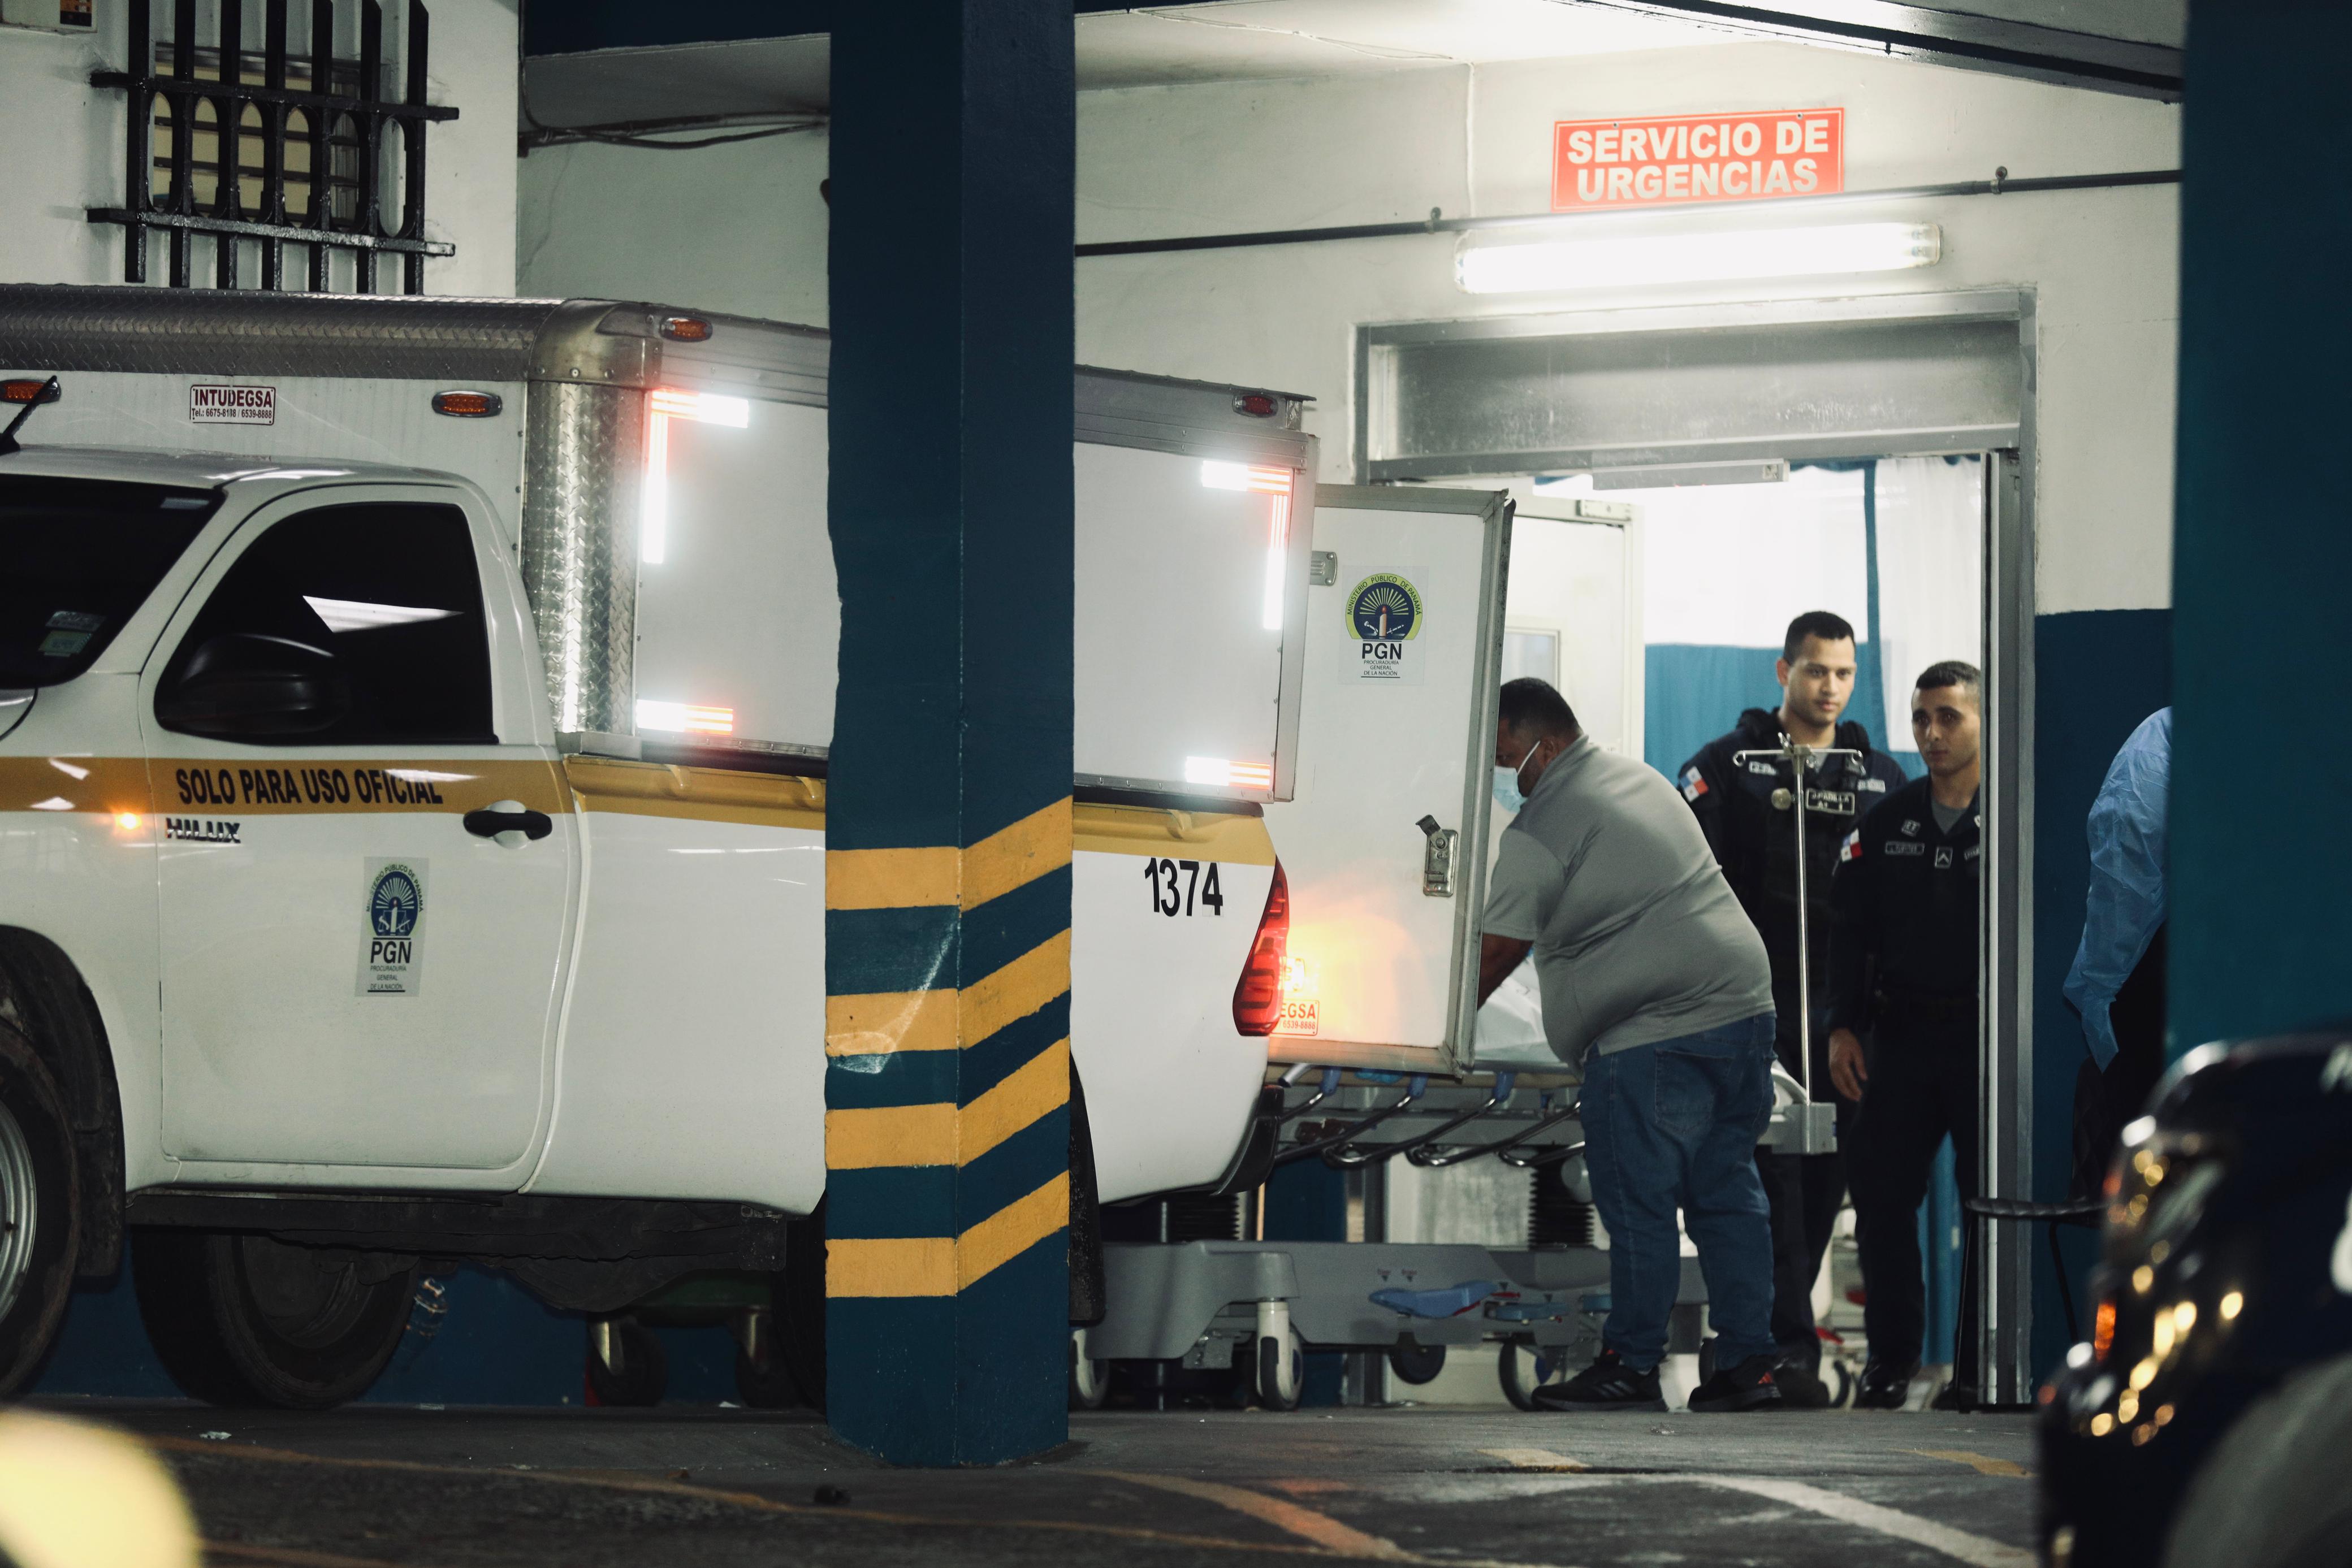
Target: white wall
{"type": "Point", "coordinates": [1222, 157]}
{"type": "Point", "coordinates": [65, 146]}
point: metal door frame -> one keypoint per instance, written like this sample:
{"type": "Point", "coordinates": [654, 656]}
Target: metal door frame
{"type": "Point", "coordinates": [2003, 1303]}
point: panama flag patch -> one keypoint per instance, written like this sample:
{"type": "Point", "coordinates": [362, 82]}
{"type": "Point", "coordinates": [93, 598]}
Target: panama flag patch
{"type": "Point", "coordinates": [1693, 784]}
{"type": "Point", "coordinates": [1852, 849]}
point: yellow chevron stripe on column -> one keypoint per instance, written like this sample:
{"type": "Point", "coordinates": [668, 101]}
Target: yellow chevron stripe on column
{"type": "Point", "coordinates": [939, 1134]}
{"type": "Point", "coordinates": [934, 1266]}
{"type": "Point", "coordinates": [882, 1022]}
{"type": "Point", "coordinates": [1012, 857]}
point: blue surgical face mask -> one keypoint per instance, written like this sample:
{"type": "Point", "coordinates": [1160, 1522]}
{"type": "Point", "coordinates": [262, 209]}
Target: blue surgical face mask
{"type": "Point", "coordinates": [1507, 794]}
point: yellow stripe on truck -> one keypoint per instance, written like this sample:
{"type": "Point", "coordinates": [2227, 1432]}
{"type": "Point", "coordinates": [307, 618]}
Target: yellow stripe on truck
{"type": "Point", "coordinates": [1003, 861]}
{"type": "Point", "coordinates": [997, 864]}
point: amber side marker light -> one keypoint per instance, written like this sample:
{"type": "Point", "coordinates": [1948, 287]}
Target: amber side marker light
{"type": "Point", "coordinates": [686, 328]}
{"type": "Point", "coordinates": [28, 390]}
{"type": "Point", "coordinates": [468, 405]}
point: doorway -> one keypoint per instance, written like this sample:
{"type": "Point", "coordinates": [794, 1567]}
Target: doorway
{"type": "Point", "coordinates": [1863, 456]}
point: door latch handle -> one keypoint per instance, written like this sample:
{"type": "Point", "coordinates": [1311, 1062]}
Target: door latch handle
{"type": "Point", "coordinates": [489, 821]}
{"type": "Point", "coordinates": [1438, 858]}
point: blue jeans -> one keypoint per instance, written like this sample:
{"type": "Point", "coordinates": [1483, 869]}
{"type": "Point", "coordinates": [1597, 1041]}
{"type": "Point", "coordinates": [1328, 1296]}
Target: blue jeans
{"type": "Point", "coordinates": [1671, 1125]}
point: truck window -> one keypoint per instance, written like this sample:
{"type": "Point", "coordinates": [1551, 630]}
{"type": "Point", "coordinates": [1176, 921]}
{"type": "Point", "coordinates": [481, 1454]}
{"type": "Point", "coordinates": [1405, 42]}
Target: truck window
{"type": "Point", "coordinates": [390, 590]}
{"type": "Point", "coordinates": [77, 557]}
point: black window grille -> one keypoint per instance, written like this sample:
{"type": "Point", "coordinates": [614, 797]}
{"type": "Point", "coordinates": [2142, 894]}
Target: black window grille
{"type": "Point", "coordinates": [272, 149]}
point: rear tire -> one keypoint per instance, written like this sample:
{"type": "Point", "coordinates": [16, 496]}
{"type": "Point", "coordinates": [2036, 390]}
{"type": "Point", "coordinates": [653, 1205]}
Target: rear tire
{"type": "Point", "coordinates": [40, 1211]}
{"type": "Point", "coordinates": [243, 1319]}
{"type": "Point", "coordinates": [2272, 1491]}
{"type": "Point", "coordinates": [799, 1307]}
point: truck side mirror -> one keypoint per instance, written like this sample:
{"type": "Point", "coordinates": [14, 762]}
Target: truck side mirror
{"type": "Point", "coordinates": [243, 685]}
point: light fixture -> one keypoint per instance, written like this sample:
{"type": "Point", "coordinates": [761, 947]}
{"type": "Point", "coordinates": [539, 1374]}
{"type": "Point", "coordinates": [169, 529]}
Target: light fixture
{"type": "Point", "coordinates": [1485, 265]}
{"type": "Point", "coordinates": [1227, 775]}
{"type": "Point", "coordinates": [684, 718]}
{"type": "Point", "coordinates": [662, 406]}
{"type": "Point", "coordinates": [1262, 481]}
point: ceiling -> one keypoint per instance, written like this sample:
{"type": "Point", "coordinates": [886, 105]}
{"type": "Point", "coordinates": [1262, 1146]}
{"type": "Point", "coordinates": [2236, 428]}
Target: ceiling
{"type": "Point", "coordinates": [661, 74]}
{"type": "Point", "coordinates": [1230, 40]}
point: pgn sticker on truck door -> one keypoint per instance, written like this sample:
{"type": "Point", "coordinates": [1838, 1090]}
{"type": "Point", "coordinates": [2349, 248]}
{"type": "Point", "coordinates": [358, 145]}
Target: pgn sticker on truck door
{"type": "Point", "coordinates": [392, 955]}
{"type": "Point", "coordinates": [232, 405]}
{"type": "Point", "coordinates": [1383, 620]}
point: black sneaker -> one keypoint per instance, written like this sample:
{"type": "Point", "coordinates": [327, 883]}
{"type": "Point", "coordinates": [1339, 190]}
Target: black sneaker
{"type": "Point", "coordinates": [1884, 1387]}
{"type": "Point", "coordinates": [1801, 1387]}
{"type": "Point", "coordinates": [1607, 1385]}
{"type": "Point", "coordinates": [1753, 1385]}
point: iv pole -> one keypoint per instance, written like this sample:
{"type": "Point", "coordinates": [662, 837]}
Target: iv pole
{"type": "Point", "coordinates": [1804, 758]}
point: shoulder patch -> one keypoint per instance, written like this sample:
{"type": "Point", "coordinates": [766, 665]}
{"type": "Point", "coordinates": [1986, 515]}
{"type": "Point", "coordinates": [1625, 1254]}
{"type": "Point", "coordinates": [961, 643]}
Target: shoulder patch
{"type": "Point", "coordinates": [1852, 849]}
{"type": "Point", "coordinates": [1694, 783]}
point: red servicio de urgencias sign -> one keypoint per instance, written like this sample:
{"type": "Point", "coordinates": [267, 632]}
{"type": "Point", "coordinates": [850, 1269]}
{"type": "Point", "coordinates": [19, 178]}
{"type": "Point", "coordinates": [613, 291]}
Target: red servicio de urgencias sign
{"type": "Point", "coordinates": [1670, 159]}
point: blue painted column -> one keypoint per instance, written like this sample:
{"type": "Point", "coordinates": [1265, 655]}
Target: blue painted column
{"type": "Point", "coordinates": [2262, 899]}
{"type": "Point", "coordinates": [948, 816]}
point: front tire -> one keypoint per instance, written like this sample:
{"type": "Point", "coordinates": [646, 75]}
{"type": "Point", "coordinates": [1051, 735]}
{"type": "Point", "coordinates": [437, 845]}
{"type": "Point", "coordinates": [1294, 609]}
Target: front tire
{"type": "Point", "coordinates": [243, 1319]}
{"type": "Point", "coordinates": [40, 1211]}
{"type": "Point", "coordinates": [2272, 1491]}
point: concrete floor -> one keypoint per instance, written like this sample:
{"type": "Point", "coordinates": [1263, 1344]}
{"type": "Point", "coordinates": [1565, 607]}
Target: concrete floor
{"type": "Point", "coordinates": [365, 1487]}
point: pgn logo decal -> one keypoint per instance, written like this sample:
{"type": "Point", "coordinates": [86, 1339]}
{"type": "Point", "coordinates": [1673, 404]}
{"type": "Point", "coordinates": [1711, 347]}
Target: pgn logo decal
{"type": "Point", "coordinates": [1384, 615]}
{"type": "Point", "coordinates": [390, 957]}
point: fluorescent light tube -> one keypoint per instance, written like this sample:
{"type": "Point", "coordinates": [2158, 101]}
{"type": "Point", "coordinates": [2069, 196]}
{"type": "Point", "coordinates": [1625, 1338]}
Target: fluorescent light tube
{"type": "Point", "coordinates": [1488, 265]}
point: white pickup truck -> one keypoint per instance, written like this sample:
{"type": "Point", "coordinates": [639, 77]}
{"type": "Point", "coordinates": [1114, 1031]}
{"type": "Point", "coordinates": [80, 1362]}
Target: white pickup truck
{"type": "Point", "coordinates": [412, 805]}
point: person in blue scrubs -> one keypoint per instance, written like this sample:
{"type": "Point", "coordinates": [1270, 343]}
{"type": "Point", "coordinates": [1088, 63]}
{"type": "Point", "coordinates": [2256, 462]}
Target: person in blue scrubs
{"type": "Point", "coordinates": [2118, 979]}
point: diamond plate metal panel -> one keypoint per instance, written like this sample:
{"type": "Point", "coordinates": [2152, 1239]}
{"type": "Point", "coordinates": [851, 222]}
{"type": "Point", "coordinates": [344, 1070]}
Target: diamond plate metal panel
{"type": "Point", "coordinates": [218, 332]}
{"type": "Point", "coordinates": [585, 456]}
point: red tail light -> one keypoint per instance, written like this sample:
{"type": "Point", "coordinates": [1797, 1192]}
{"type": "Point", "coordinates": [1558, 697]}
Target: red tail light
{"type": "Point", "coordinates": [1257, 1000]}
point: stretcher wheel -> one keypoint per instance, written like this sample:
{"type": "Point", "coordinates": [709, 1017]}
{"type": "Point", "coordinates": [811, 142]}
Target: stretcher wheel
{"type": "Point", "coordinates": [641, 1376]}
{"type": "Point", "coordinates": [1417, 1363]}
{"type": "Point", "coordinates": [1523, 1368]}
{"type": "Point", "coordinates": [1275, 1391]}
{"type": "Point", "coordinates": [1090, 1378]}
{"type": "Point", "coordinates": [1842, 1388]}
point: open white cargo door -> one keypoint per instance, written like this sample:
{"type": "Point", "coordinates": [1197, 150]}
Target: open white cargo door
{"type": "Point", "coordinates": [1192, 510]}
{"type": "Point", "coordinates": [1396, 737]}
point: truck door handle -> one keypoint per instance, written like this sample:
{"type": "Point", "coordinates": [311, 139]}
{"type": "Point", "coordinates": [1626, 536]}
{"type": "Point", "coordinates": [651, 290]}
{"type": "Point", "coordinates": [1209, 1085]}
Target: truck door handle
{"type": "Point", "coordinates": [507, 817]}
{"type": "Point", "coordinates": [1438, 858]}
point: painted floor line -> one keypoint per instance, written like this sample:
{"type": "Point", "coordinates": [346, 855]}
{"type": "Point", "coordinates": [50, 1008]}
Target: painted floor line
{"type": "Point", "coordinates": [1974, 1549]}
{"type": "Point", "coordinates": [1320, 1529]}
{"type": "Point", "coordinates": [1983, 1464]}
{"type": "Point", "coordinates": [1329, 1535]}
{"type": "Point", "coordinates": [288, 1556]}
{"type": "Point", "coordinates": [1535, 1459]}
{"type": "Point", "coordinates": [752, 1501]}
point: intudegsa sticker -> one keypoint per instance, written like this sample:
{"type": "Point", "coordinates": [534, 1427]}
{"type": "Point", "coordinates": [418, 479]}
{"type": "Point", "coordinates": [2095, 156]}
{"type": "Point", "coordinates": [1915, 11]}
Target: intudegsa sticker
{"type": "Point", "coordinates": [392, 958]}
{"type": "Point", "coordinates": [1383, 618]}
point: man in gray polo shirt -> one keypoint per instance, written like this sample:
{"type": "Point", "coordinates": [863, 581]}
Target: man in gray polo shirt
{"type": "Point", "coordinates": [1654, 980]}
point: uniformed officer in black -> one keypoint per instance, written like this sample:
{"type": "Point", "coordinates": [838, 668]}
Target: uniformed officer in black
{"type": "Point", "coordinates": [1902, 962]}
{"type": "Point", "coordinates": [1746, 808]}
